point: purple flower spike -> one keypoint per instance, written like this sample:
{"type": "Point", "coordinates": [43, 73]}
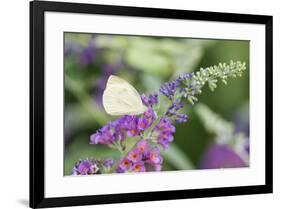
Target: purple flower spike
{"type": "Point", "coordinates": [84, 167]}
{"type": "Point", "coordinates": [113, 131]}
{"type": "Point", "coordinates": [221, 156]}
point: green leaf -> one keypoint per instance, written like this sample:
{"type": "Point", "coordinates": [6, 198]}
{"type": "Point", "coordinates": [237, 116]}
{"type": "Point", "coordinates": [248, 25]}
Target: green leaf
{"type": "Point", "coordinates": [213, 122]}
{"type": "Point", "coordinates": [112, 42]}
{"type": "Point", "coordinates": [176, 157]}
{"type": "Point", "coordinates": [77, 89]}
{"type": "Point", "coordinates": [81, 38]}
{"type": "Point", "coordinates": [151, 83]}
{"type": "Point", "coordinates": [148, 61]}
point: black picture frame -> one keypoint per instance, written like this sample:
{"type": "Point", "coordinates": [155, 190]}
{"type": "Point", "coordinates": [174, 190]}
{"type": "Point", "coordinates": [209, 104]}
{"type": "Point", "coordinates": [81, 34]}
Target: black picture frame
{"type": "Point", "coordinates": [37, 101]}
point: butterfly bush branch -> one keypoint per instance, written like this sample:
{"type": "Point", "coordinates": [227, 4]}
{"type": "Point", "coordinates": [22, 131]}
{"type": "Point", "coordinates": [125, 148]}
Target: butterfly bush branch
{"type": "Point", "coordinates": [189, 85]}
{"type": "Point", "coordinates": [153, 130]}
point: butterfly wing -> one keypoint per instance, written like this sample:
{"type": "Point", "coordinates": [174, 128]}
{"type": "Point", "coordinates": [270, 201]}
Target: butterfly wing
{"type": "Point", "coordinates": [121, 98]}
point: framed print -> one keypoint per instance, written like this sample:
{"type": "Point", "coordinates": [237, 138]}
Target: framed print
{"type": "Point", "coordinates": [135, 104]}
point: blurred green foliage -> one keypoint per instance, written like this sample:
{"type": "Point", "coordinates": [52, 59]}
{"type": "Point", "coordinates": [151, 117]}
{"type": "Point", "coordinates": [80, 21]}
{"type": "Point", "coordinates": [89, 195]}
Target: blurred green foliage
{"type": "Point", "coordinates": [146, 62]}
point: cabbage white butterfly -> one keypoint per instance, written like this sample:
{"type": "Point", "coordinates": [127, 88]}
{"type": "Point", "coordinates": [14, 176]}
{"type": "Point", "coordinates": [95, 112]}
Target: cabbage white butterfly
{"type": "Point", "coordinates": [121, 98]}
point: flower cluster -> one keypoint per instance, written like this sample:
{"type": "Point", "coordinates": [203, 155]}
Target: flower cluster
{"type": "Point", "coordinates": [172, 112]}
{"type": "Point", "coordinates": [169, 89]}
{"type": "Point", "coordinates": [92, 166]}
{"type": "Point", "coordinates": [175, 91]}
{"type": "Point", "coordinates": [150, 100]}
{"type": "Point", "coordinates": [85, 167]}
{"type": "Point", "coordinates": [184, 78]}
{"type": "Point", "coordinates": [153, 129]}
{"type": "Point", "coordinates": [164, 132]}
{"type": "Point", "coordinates": [130, 125]}
{"type": "Point", "coordinates": [141, 159]}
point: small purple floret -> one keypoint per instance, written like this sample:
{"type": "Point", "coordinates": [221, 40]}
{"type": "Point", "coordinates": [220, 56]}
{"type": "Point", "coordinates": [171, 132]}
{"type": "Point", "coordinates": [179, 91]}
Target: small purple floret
{"type": "Point", "coordinates": [150, 100]}
{"type": "Point", "coordinates": [143, 147]}
{"type": "Point", "coordinates": [154, 156]}
{"type": "Point", "coordinates": [139, 167]}
{"type": "Point", "coordinates": [181, 118]}
{"type": "Point", "coordinates": [135, 155]}
{"type": "Point", "coordinates": [169, 89]}
{"type": "Point", "coordinates": [125, 164]}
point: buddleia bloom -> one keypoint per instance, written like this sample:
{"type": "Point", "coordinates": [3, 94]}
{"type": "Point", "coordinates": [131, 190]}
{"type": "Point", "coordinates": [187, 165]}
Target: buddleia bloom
{"type": "Point", "coordinates": [142, 158]}
{"type": "Point", "coordinates": [128, 125]}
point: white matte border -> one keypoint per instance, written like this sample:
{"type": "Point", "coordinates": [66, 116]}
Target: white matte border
{"type": "Point", "coordinates": [58, 186]}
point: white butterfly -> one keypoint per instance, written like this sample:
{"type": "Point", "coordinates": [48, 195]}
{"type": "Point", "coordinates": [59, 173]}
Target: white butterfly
{"type": "Point", "coordinates": [121, 98]}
